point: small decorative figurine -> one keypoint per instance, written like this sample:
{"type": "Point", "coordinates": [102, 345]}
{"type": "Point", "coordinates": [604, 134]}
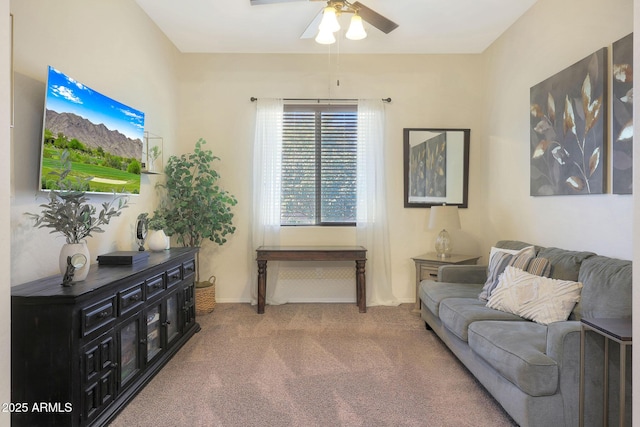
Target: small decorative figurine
{"type": "Point", "coordinates": [141, 230]}
{"type": "Point", "coordinates": [73, 262]}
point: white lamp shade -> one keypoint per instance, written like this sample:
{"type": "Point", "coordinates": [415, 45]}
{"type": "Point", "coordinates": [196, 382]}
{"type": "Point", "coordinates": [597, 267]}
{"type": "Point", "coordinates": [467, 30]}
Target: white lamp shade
{"type": "Point", "coordinates": [444, 218]}
{"type": "Point", "coordinates": [329, 20]}
{"type": "Point", "coordinates": [325, 37]}
{"type": "Point", "coordinates": [356, 29]}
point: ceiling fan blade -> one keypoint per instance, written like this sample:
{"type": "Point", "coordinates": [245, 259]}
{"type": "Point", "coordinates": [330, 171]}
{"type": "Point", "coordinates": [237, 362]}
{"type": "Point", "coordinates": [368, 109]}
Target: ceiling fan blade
{"type": "Point", "coordinates": [374, 18]}
{"type": "Point", "coordinates": [312, 29]}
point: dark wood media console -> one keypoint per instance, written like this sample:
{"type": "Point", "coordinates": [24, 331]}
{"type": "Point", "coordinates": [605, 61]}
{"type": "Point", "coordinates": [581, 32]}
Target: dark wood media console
{"type": "Point", "coordinates": [80, 353]}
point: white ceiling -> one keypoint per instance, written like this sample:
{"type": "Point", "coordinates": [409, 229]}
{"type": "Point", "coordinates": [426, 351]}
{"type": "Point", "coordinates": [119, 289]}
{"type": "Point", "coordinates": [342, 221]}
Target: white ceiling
{"type": "Point", "coordinates": [425, 26]}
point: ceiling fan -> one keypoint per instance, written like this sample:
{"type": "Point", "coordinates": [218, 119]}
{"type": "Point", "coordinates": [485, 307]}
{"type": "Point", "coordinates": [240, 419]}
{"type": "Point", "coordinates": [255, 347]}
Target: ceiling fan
{"type": "Point", "coordinates": [336, 7]}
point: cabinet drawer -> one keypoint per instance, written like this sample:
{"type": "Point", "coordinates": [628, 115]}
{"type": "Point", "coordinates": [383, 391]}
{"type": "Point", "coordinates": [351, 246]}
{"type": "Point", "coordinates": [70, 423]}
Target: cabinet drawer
{"type": "Point", "coordinates": [428, 272]}
{"type": "Point", "coordinates": [154, 285]}
{"type": "Point", "coordinates": [174, 276]}
{"type": "Point", "coordinates": [97, 315]}
{"type": "Point", "coordinates": [189, 268]}
{"type": "Point", "coordinates": [129, 299]}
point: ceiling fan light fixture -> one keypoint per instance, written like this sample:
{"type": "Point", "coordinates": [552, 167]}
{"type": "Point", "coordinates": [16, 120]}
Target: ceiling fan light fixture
{"type": "Point", "coordinates": [329, 20]}
{"type": "Point", "coordinates": [356, 29]}
{"type": "Point", "coordinates": [325, 37]}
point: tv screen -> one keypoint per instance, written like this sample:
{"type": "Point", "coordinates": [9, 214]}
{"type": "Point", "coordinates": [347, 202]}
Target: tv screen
{"type": "Point", "coordinates": [103, 137]}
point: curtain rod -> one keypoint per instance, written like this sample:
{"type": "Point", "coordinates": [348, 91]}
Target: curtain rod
{"type": "Point", "coordinates": [254, 99]}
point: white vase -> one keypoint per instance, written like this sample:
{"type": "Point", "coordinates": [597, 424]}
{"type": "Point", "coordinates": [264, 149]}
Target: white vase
{"type": "Point", "coordinates": [70, 249]}
{"type": "Point", "coordinates": [158, 241]}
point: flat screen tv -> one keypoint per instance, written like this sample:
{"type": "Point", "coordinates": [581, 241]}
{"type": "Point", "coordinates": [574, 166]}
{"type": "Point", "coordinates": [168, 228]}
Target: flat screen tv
{"type": "Point", "coordinates": [103, 137]}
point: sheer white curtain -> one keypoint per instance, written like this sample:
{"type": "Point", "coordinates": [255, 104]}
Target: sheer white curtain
{"type": "Point", "coordinates": [372, 229]}
{"type": "Point", "coordinates": [267, 184]}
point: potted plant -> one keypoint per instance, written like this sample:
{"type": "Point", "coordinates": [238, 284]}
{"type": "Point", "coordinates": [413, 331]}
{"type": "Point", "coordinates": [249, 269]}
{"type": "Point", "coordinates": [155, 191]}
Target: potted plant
{"type": "Point", "coordinates": [158, 240]}
{"type": "Point", "coordinates": [194, 208]}
{"type": "Point", "coordinates": [69, 213]}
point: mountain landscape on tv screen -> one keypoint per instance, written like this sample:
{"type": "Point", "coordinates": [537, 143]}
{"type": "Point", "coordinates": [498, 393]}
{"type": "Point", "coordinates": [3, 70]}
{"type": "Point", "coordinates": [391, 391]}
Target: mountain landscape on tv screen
{"type": "Point", "coordinates": [92, 135]}
{"type": "Point", "coordinates": [104, 139]}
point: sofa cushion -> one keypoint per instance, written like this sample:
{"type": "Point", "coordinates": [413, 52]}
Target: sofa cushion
{"type": "Point", "coordinates": [433, 293]}
{"type": "Point", "coordinates": [565, 264]}
{"type": "Point", "coordinates": [457, 314]}
{"type": "Point", "coordinates": [536, 298]}
{"type": "Point", "coordinates": [516, 351]}
{"type": "Point", "coordinates": [514, 244]}
{"type": "Point", "coordinates": [607, 288]}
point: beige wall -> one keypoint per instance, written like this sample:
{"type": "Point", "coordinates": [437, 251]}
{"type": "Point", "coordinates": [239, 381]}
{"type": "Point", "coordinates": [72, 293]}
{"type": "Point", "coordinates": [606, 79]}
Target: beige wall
{"type": "Point", "coordinates": [551, 36]}
{"type": "Point", "coordinates": [427, 91]}
{"type": "Point", "coordinates": [487, 93]}
{"type": "Point", "coordinates": [113, 48]}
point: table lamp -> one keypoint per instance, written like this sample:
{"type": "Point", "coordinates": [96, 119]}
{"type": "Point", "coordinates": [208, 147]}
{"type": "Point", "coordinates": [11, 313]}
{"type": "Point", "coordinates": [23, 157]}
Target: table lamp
{"type": "Point", "coordinates": [442, 218]}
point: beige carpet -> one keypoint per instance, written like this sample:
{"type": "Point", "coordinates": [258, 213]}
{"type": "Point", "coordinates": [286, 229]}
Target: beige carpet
{"type": "Point", "coordinates": [313, 365]}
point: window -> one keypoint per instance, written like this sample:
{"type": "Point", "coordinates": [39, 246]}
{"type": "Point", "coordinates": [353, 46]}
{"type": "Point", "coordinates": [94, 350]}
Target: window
{"type": "Point", "coordinates": [319, 165]}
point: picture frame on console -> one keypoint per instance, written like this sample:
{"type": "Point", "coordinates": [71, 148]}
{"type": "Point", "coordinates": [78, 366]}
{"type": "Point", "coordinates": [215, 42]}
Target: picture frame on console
{"type": "Point", "coordinates": [436, 167]}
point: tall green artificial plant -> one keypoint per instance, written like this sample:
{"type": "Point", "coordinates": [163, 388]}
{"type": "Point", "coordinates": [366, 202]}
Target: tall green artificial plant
{"type": "Point", "coordinates": [195, 208]}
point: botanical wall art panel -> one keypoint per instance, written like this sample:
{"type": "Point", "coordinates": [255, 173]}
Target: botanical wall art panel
{"type": "Point", "coordinates": [436, 167]}
{"type": "Point", "coordinates": [568, 129]}
{"type": "Point", "coordinates": [428, 161]}
{"type": "Point", "coordinates": [622, 124]}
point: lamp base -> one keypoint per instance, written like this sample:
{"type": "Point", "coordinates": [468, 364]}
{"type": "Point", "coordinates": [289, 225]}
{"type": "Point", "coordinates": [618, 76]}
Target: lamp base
{"type": "Point", "coordinates": [443, 245]}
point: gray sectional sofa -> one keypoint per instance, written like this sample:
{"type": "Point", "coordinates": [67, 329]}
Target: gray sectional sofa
{"type": "Point", "coordinates": [532, 369]}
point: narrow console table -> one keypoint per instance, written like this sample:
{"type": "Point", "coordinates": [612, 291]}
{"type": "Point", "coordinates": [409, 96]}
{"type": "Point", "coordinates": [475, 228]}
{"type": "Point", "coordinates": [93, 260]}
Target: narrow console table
{"type": "Point", "coordinates": [618, 330]}
{"type": "Point", "coordinates": [312, 253]}
{"type": "Point", "coordinates": [80, 353]}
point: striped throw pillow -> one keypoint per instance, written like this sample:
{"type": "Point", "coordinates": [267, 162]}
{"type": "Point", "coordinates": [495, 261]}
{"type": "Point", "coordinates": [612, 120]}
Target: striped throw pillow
{"type": "Point", "coordinates": [498, 260]}
{"type": "Point", "coordinates": [525, 262]}
{"type": "Point", "coordinates": [539, 267]}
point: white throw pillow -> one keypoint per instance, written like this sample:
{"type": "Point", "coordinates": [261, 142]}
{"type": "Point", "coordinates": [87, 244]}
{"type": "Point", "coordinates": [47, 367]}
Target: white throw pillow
{"type": "Point", "coordinates": [536, 298]}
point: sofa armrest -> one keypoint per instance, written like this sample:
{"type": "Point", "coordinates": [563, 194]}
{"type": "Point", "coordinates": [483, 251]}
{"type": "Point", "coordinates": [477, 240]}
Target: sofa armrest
{"type": "Point", "coordinates": [563, 346]}
{"type": "Point", "coordinates": [563, 341]}
{"type": "Point", "coordinates": [462, 273]}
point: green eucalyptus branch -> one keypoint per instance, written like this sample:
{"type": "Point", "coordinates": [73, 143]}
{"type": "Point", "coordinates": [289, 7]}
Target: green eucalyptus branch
{"type": "Point", "coordinates": [68, 211]}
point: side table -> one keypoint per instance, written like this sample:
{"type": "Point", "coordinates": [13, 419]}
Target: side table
{"type": "Point", "coordinates": [427, 267]}
{"type": "Point", "coordinates": [618, 330]}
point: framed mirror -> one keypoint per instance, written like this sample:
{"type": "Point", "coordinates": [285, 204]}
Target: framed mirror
{"type": "Point", "coordinates": [436, 167]}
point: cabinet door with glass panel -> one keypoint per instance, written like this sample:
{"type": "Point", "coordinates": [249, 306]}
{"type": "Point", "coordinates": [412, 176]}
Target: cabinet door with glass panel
{"type": "Point", "coordinates": [130, 349]}
{"type": "Point", "coordinates": [162, 325]}
{"type": "Point", "coordinates": [188, 306]}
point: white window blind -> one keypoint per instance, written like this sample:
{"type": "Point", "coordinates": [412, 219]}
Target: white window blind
{"type": "Point", "coordinates": [319, 165]}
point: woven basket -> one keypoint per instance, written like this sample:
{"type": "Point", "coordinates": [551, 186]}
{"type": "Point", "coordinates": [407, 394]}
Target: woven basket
{"type": "Point", "coordinates": [206, 298]}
